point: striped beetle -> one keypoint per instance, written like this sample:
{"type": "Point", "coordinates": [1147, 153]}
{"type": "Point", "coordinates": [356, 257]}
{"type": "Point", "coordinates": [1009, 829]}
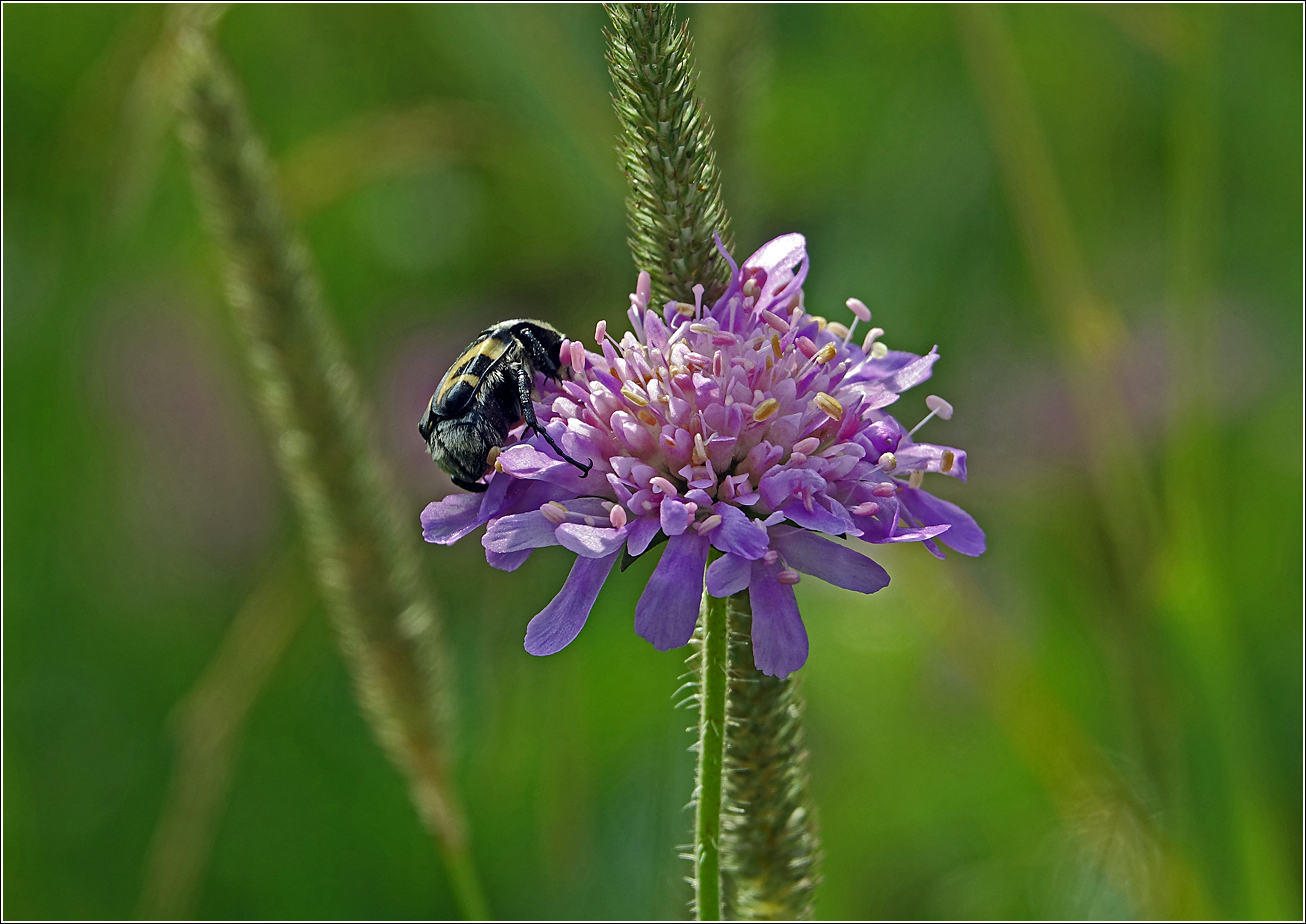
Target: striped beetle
{"type": "Point", "coordinates": [487, 392]}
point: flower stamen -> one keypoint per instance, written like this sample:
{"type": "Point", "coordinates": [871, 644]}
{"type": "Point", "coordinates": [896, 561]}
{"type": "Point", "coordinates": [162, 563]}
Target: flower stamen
{"type": "Point", "coordinates": [829, 404]}
{"type": "Point", "coordinates": [699, 456]}
{"type": "Point", "coordinates": [661, 485]}
{"type": "Point", "coordinates": [709, 524]}
{"type": "Point", "coordinates": [633, 396]}
{"type": "Point", "coordinates": [554, 512]}
{"type": "Point", "coordinates": [766, 409]}
{"type": "Point", "coordinates": [937, 407]}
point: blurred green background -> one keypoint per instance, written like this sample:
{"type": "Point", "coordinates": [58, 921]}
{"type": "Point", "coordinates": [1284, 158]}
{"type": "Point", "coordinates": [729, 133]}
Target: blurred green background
{"type": "Point", "coordinates": [1094, 212]}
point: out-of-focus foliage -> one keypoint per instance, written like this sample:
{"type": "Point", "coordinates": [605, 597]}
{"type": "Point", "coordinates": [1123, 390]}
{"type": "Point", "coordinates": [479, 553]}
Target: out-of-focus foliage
{"type": "Point", "coordinates": [1054, 729]}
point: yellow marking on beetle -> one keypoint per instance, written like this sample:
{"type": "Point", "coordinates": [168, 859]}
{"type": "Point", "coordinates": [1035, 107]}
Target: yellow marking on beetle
{"type": "Point", "coordinates": [491, 348]}
{"type": "Point", "coordinates": [472, 380]}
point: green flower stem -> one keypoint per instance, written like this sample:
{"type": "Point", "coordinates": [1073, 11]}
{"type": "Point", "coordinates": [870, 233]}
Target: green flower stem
{"type": "Point", "coordinates": [713, 670]}
{"type": "Point", "coordinates": [364, 556]}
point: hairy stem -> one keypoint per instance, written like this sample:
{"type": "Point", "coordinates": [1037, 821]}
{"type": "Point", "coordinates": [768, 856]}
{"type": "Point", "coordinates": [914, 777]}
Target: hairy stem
{"type": "Point", "coordinates": [675, 204]}
{"type": "Point", "coordinates": [766, 846]}
{"type": "Point", "coordinates": [769, 841]}
{"type": "Point", "coordinates": [365, 559]}
{"type": "Point", "coordinates": [711, 752]}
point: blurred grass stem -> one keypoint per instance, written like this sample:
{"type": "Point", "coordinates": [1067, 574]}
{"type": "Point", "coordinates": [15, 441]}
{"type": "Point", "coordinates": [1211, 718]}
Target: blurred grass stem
{"type": "Point", "coordinates": [1192, 584]}
{"type": "Point", "coordinates": [365, 560]}
{"type": "Point", "coordinates": [1089, 330]}
{"type": "Point", "coordinates": [1089, 333]}
{"type": "Point", "coordinates": [209, 724]}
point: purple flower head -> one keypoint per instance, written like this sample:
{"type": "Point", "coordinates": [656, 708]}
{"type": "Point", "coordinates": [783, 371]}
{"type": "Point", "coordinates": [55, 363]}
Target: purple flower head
{"type": "Point", "coordinates": [748, 426]}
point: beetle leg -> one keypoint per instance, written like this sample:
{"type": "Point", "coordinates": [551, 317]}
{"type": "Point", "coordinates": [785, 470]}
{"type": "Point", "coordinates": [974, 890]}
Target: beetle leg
{"type": "Point", "coordinates": [474, 486]}
{"type": "Point", "coordinates": [528, 411]}
{"type": "Point", "coordinates": [539, 355]}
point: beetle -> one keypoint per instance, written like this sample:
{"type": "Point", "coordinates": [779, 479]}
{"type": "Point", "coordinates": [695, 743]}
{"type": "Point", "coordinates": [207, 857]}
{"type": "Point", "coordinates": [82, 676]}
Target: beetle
{"type": "Point", "coordinates": [487, 392]}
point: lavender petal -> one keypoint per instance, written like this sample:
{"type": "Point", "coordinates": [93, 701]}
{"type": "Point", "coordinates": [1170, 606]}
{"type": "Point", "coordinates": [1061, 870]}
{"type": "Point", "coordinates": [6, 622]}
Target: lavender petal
{"type": "Point", "coordinates": [561, 621]}
{"type": "Point", "coordinates": [927, 457]}
{"type": "Point", "coordinates": [965, 535]}
{"type": "Point", "coordinates": [668, 608]}
{"type": "Point", "coordinates": [676, 516]}
{"type": "Point", "coordinates": [510, 561]}
{"type": "Point", "coordinates": [818, 518]}
{"type": "Point", "coordinates": [779, 637]}
{"type": "Point", "coordinates": [728, 575]}
{"type": "Point", "coordinates": [738, 535]}
{"type": "Point", "coordinates": [831, 562]}
{"type": "Point", "coordinates": [641, 533]}
{"type": "Point", "coordinates": [591, 541]}
{"type": "Point", "coordinates": [449, 519]}
{"type": "Point", "coordinates": [519, 531]}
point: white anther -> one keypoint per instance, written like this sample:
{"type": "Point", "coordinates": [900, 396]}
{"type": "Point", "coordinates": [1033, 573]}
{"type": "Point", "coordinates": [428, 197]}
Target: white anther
{"type": "Point", "coordinates": [915, 478]}
{"type": "Point", "coordinates": [868, 509]}
{"type": "Point", "coordinates": [771, 557]}
{"type": "Point", "coordinates": [939, 406]}
{"type": "Point", "coordinates": [859, 309]}
{"type": "Point", "coordinates": [775, 321]}
{"type": "Point", "coordinates": [709, 524]}
{"type": "Point", "coordinates": [661, 485]}
{"type": "Point", "coordinates": [685, 310]}
{"type": "Point", "coordinates": [885, 489]}
{"type": "Point", "coordinates": [839, 330]}
{"type": "Point", "coordinates": [617, 517]}
{"type": "Point", "coordinates": [788, 577]}
{"type": "Point", "coordinates": [874, 334]}
{"type": "Point", "coordinates": [807, 446]}
{"type": "Point", "coordinates": [879, 350]}
{"type": "Point", "coordinates": [751, 288]}
{"type": "Point", "coordinates": [600, 332]}
{"type": "Point", "coordinates": [554, 512]}
{"type": "Point", "coordinates": [888, 462]}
